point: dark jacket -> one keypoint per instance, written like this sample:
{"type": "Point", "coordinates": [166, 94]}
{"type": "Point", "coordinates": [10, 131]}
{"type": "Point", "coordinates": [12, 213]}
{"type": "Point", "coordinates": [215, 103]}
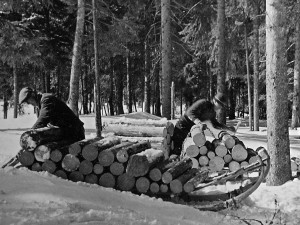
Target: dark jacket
{"type": "Point", "coordinates": [54, 111]}
{"type": "Point", "coordinates": [202, 110]}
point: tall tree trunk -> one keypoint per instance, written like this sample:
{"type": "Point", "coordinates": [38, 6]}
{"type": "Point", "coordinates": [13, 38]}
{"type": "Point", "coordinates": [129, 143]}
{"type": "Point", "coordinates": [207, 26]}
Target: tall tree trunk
{"type": "Point", "coordinates": [166, 58]}
{"type": "Point", "coordinates": [296, 100]}
{"type": "Point", "coordinates": [16, 89]}
{"type": "Point", "coordinates": [256, 66]}
{"type": "Point", "coordinates": [85, 76]}
{"type": "Point", "coordinates": [221, 86]}
{"type": "Point", "coordinates": [157, 89]}
{"type": "Point", "coordinates": [111, 91]}
{"type": "Point", "coordinates": [129, 88]}
{"type": "Point", "coordinates": [147, 97]}
{"type": "Point", "coordinates": [248, 70]}
{"type": "Point", "coordinates": [277, 93]}
{"type": "Point", "coordinates": [118, 67]}
{"type": "Point", "coordinates": [97, 71]}
{"type": "Point", "coordinates": [76, 58]}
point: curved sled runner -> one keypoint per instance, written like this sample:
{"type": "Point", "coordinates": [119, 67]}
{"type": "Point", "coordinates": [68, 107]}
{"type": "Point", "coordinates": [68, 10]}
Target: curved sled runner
{"type": "Point", "coordinates": [231, 199]}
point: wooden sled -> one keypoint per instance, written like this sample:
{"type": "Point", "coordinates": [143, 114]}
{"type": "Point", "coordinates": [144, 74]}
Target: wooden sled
{"type": "Point", "coordinates": [220, 201]}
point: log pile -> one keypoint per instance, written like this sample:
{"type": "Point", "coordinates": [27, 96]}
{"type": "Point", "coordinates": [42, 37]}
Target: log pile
{"type": "Point", "coordinates": [110, 162]}
{"type": "Point", "coordinates": [137, 166]}
{"type": "Point", "coordinates": [224, 152]}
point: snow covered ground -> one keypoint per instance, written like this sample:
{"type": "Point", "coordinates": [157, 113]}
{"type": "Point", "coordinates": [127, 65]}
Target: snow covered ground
{"type": "Point", "coordinates": [28, 197]}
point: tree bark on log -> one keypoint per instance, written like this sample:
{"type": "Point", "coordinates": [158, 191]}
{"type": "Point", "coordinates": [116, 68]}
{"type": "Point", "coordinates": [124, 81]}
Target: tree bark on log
{"type": "Point", "coordinates": [107, 156]}
{"type": "Point", "coordinates": [30, 139]}
{"type": "Point", "coordinates": [124, 154]}
{"type": "Point", "coordinates": [139, 164]}
{"type": "Point", "coordinates": [77, 147]}
{"type": "Point", "coordinates": [176, 185]}
{"type": "Point", "coordinates": [191, 184]}
{"type": "Point", "coordinates": [178, 169]}
{"type": "Point", "coordinates": [134, 131]}
{"type": "Point", "coordinates": [155, 173]}
{"type": "Point", "coordinates": [91, 151]}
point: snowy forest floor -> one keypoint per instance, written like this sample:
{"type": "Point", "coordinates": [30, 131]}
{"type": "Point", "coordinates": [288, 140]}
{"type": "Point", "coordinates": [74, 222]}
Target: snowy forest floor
{"type": "Point", "coordinates": [28, 197]}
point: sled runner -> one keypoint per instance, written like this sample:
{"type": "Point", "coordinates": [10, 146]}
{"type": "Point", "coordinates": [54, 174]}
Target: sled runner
{"type": "Point", "coordinates": [222, 200]}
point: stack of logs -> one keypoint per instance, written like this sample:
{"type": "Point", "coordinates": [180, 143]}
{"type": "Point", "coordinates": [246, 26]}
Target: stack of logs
{"type": "Point", "coordinates": [227, 151]}
{"type": "Point", "coordinates": [133, 165]}
{"type": "Point", "coordinates": [126, 166]}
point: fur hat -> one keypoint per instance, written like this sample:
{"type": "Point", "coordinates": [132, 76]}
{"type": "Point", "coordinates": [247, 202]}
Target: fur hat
{"type": "Point", "coordinates": [24, 94]}
{"type": "Point", "coordinates": [221, 99]}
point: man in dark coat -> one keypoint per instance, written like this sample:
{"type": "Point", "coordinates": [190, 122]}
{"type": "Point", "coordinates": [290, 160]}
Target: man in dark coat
{"type": "Point", "coordinates": [51, 112]}
{"type": "Point", "coordinates": [200, 111]}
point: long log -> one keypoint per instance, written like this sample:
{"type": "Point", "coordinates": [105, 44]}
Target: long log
{"type": "Point", "coordinates": [70, 163]}
{"type": "Point", "coordinates": [91, 151]}
{"type": "Point", "coordinates": [123, 154]}
{"type": "Point", "coordinates": [191, 184]}
{"type": "Point", "coordinates": [142, 184]}
{"type": "Point", "coordinates": [139, 164]}
{"type": "Point", "coordinates": [86, 167]}
{"type": "Point", "coordinates": [125, 182]}
{"type": "Point", "coordinates": [26, 158]}
{"type": "Point", "coordinates": [178, 169]}
{"type": "Point", "coordinates": [30, 139]}
{"type": "Point", "coordinates": [155, 173]}
{"type": "Point", "coordinates": [49, 166]}
{"type": "Point", "coordinates": [176, 185]}
{"type": "Point", "coordinates": [135, 131]}
{"type": "Point", "coordinates": [43, 152]}
{"type": "Point", "coordinates": [107, 180]}
{"type": "Point", "coordinates": [107, 156]}
{"type": "Point", "coordinates": [77, 147]}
